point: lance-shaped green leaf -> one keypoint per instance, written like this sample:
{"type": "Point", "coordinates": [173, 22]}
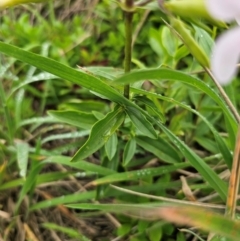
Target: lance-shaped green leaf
{"type": "Point", "coordinates": [134, 175]}
{"type": "Point", "coordinates": [223, 148]}
{"type": "Point", "coordinates": [71, 198]}
{"type": "Point", "coordinates": [163, 74]}
{"type": "Point", "coordinates": [140, 121]}
{"type": "Point", "coordinates": [162, 149]}
{"type": "Point", "coordinates": [100, 133]}
{"type": "Point", "coordinates": [208, 174]}
{"type": "Point", "coordinates": [75, 118]}
{"type": "Point", "coordinates": [51, 66]}
{"type": "Point", "coordinates": [111, 146]}
{"type": "Point", "coordinates": [129, 151]}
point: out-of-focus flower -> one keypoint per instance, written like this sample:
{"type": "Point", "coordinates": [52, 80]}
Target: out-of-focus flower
{"type": "Point", "coordinates": [190, 9]}
{"type": "Point", "coordinates": [226, 52]}
{"type": "Point", "coordinates": [9, 3]}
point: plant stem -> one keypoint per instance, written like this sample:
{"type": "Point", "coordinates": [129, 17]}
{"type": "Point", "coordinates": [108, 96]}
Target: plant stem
{"type": "Point", "coordinates": [128, 43]}
{"type": "Point", "coordinates": [224, 95]}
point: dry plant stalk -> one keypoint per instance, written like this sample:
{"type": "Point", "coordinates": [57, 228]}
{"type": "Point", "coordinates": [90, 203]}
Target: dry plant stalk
{"type": "Point", "coordinates": [234, 180]}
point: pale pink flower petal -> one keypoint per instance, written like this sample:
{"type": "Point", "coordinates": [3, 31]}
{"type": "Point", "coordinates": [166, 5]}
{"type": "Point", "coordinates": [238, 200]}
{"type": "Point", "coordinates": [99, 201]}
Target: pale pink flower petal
{"type": "Point", "coordinates": [238, 19]}
{"type": "Point", "coordinates": [225, 10]}
{"type": "Point", "coordinates": [225, 56]}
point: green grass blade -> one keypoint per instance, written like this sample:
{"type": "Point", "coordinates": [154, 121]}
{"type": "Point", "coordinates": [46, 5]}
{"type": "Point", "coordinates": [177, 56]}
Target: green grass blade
{"type": "Point", "coordinates": [68, 231]}
{"type": "Point", "coordinates": [163, 74]}
{"type": "Point", "coordinates": [28, 184]}
{"type": "Point", "coordinates": [67, 135]}
{"type": "Point", "coordinates": [182, 215]}
{"type": "Point", "coordinates": [81, 165]}
{"type": "Point", "coordinates": [137, 174]}
{"type": "Point", "coordinates": [53, 176]}
{"type": "Point", "coordinates": [162, 149]}
{"type": "Point", "coordinates": [115, 208]}
{"type": "Point", "coordinates": [42, 178]}
{"type": "Point", "coordinates": [223, 148]}
{"type": "Point", "coordinates": [202, 218]}
{"type": "Point", "coordinates": [71, 198]}
{"type": "Point", "coordinates": [207, 173]}
{"type": "Point", "coordinates": [51, 66]}
{"type": "Point", "coordinates": [37, 121]}
{"type": "Point", "coordinates": [32, 79]}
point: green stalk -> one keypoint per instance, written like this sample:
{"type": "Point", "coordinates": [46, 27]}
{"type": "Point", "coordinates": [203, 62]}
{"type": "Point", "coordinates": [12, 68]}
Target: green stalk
{"type": "Point", "coordinates": [128, 43]}
{"type": "Point", "coordinates": [6, 114]}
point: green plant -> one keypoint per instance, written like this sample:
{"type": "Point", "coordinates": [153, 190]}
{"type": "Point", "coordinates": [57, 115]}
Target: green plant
{"type": "Point", "coordinates": [120, 119]}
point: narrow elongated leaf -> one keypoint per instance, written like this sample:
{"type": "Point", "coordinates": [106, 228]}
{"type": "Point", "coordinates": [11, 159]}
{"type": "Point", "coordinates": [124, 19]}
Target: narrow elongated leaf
{"type": "Point", "coordinates": [207, 143]}
{"type": "Point", "coordinates": [140, 121]}
{"type": "Point", "coordinates": [134, 175]}
{"type": "Point", "coordinates": [75, 118]}
{"type": "Point", "coordinates": [68, 231]}
{"type": "Point", "coordinates": [111, 146]}
{"type": "Point", "coordinates": [221, 144]}
{"type": "Point", "coordinates": [22, 157]}
{"type": "Point", "coordinates": [51, 66]}
{"type": "Point", "coordinates": [115, 208]}
{"type": "Point", "coordinates": [182, 215]}
{"type": "Point", "coordinates": [37, 120]}
{"type": "Point", "coordinates": [86, 106]}
{"type": "Point", "coordinates": [32, 79]}
{"type": "Point", "coordinates": [100, 133]}
{"type": "Point", "coordinates": [68, 135]}
{"type": "Point", "coordinates": [28, 184]}
{"type": "Point", "coordinates": [162, 149]}
{"type": "Point", "coordinates": [42, 178]}
{"type": "Point", "coordinates": [53, 176]}
{"type": "Point", "coordinates": [204, 219]}
{"type": "Point", "coordinates": [129, 151]}
{"type": "Point", "coordinates": [163, 74]}
{"type": "Point", "coordinates": [76, 197]}
{"type": "Point", "coordinates": [81, 165]}
{"type": "Point", "coordinates": [208, 174]}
